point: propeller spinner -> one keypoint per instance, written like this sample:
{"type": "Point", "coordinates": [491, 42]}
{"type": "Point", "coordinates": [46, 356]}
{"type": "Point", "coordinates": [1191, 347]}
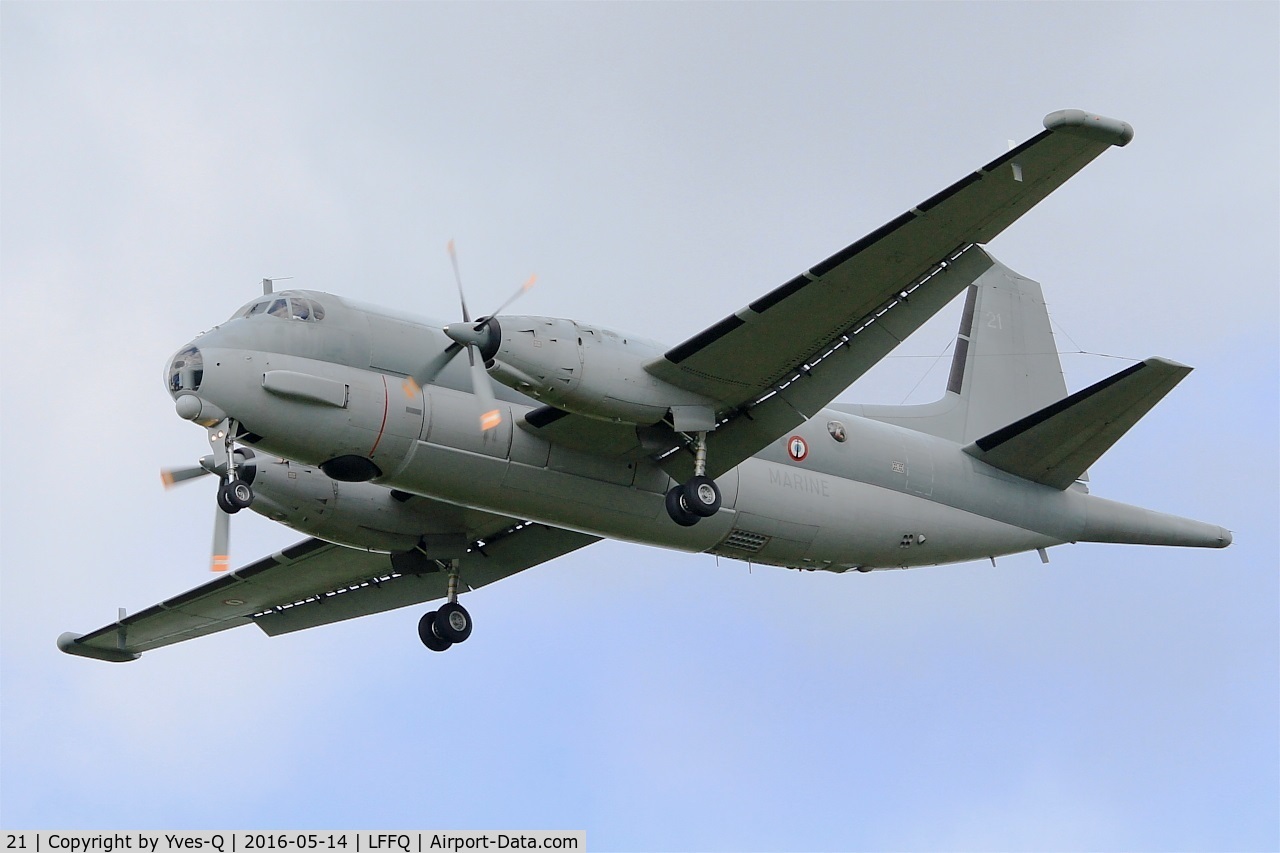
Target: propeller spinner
{"type": "Point", "coordinates": [479, 338]}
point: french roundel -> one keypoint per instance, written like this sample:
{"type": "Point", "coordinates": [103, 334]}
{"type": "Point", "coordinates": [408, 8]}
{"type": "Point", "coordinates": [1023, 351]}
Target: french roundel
{"type": "Point", "coordinates": [797, 448]}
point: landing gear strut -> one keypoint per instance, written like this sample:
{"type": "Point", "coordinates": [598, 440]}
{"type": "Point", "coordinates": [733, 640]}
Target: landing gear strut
{"type": "Point", "coordinates": [235, 493]}
{"type": "Point", "coordinates": [698, 497]}
{"type": "Point", "coordinates": [451, 624]}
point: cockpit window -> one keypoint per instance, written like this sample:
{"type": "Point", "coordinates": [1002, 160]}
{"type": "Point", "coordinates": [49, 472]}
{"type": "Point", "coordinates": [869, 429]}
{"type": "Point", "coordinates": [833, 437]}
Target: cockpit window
{"type": "Point", "coordinates": [291, 308]}
{"type": "Point", "coordinates": [186, 371]}
{"type": "Point", "coordinates": [305, 309]}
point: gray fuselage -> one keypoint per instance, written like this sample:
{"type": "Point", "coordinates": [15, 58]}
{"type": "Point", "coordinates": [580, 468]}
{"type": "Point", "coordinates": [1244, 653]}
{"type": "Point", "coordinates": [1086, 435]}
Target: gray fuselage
{"type": "Point", "coordinates": [885, 496]}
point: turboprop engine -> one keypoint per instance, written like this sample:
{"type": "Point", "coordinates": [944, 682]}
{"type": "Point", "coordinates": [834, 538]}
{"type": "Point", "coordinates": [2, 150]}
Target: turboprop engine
{"type": "Point", "coordinates": [583, 369]}
{"type": "Point", "coordinates": [358, 515]}
{"type": "Point", "coordinates": [304, 498]}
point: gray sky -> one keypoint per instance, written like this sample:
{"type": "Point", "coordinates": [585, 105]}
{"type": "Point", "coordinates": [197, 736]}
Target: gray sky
{"type": "Point", "coordinates": [658, 166]}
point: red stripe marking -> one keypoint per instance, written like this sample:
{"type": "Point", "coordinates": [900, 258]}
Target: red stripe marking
{"type": "Point", "coordinates": [386, 404]}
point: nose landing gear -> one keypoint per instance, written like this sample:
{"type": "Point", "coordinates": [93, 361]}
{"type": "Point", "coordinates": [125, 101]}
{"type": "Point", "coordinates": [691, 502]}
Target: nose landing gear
{"type": "Point", "coordinates": [698, 497]}
{"type": "Point", "coordinates": [451, 624]}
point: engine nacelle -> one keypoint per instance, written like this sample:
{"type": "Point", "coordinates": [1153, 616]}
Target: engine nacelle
{"type": "Point", "coordinates": [586, 370]}
{"type": "Point", "coordinates": [359, 515]}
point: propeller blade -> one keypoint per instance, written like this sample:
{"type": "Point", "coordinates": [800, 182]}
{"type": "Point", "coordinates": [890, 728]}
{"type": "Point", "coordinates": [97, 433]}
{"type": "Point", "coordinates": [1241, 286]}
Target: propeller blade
{"type": "Point", "coordinates": [524, 288]}
{"type": "Point", "coordinates": [457, 276]}
{"type": "Point", "coordinates": [172, 476]}
{"type": "Point", "coordinates": [221, 541]}
{"type": "Point", "coordinates": [490, 414]}
{"type": "Point", "coordinates": [430, 370]}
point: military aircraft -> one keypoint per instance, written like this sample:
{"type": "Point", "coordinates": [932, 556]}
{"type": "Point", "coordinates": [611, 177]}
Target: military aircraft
{"type": "Point", "coordinates": [418, 474]}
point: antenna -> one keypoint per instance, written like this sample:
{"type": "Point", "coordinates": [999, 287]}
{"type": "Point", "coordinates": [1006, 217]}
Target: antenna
{"type": "Point", "coordinates": [268, 284]}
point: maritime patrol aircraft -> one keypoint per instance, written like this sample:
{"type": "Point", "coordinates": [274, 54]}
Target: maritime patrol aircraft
{"type": "Point", "coordinates": [419, 474]}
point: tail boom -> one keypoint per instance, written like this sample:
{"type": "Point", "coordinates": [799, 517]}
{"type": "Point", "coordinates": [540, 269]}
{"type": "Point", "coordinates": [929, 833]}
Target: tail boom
{"type": "Point", "coordinates": [1111, 521]}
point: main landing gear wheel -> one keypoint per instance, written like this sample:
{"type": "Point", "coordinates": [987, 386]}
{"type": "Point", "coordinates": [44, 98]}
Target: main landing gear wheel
{"type": "Point", "coordinates": [427, 633]}
{"type": "Point", "coordinates": [676, 508]}
{"type": "Point", "coordinates": [234, 496]}
{"type": "Point", "coordinates": [453, 623]}
{"type": "Point", "coordinates": [701, 496]}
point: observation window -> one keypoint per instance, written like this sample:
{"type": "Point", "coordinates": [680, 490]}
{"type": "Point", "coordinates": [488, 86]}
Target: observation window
{"type": "Point", "coordinates": [186, 370]}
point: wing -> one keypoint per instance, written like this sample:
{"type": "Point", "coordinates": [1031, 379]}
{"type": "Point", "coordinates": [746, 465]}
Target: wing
{"type": "Point", "coordinates": [314, 583]}
{"type": "Point", "coordinates": [790, 352]}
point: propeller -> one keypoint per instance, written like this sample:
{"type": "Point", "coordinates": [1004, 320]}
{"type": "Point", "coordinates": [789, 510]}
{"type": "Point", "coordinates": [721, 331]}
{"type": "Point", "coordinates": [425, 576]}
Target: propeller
{"type": "Point", "coordinates": [220, 560]}
{"type": "Point", "coordinates": [484, 334]}
{"type": "Point", "coordinates": [172, 476]}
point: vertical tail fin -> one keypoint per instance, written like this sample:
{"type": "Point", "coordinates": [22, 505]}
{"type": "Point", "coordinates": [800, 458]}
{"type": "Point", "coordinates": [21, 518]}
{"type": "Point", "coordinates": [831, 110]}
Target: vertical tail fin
{"type": "Point", "coordinates": [1005, 364]}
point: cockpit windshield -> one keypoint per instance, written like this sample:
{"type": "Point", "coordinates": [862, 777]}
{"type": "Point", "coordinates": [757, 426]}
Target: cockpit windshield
{"type": "Point", "coordinates": [286, 308]}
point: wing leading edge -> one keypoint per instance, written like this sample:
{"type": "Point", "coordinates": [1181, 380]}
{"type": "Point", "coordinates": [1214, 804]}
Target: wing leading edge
{"type": "Point", "coordinates": [862, 301]}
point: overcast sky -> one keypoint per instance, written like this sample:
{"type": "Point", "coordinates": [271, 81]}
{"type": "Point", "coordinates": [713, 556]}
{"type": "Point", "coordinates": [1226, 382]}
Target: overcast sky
{"type": "Point", "coordinates": [657, 166]}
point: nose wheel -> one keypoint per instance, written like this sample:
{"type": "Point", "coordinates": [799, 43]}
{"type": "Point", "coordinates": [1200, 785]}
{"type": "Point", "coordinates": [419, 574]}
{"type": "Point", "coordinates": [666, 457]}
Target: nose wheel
{"type": "Point", "coordinates": [698, 497]}
{"type": "Point", "coordinates": [451, 624]}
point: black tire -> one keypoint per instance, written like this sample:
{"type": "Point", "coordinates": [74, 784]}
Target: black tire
{"type": "Point", "coordinates": [701, 496]}
{"type": "Point", "coordinates": [426, 633]}
{"type": "Point", "coordinates": [235, 496]}
{"type": "Point", "coordinates": [676, 508]}
{"type": "Point", "coordinates": [453, 623]}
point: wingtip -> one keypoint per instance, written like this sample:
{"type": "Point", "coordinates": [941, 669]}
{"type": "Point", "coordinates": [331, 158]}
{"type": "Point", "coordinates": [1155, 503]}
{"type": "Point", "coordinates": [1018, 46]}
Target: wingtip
{"type": "Point", "coordinates": [69, 642]}
{"type": "Point", "coordinates": [1098, 128]}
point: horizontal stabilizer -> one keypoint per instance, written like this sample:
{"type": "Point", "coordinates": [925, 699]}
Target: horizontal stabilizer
{"type": "Point", "coordinates": [1057, 444]}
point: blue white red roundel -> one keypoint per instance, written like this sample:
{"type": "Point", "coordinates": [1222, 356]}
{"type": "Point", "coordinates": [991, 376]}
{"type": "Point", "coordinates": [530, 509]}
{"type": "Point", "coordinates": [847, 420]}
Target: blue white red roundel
{"type": "Point", "coordinates": [797, 448]}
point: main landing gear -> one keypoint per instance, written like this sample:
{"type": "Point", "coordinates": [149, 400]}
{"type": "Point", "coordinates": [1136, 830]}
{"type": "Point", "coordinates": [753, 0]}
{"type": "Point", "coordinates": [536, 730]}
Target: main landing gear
{"type": "Point", "coordinates": [451, 624]}
{"type": "Point", "coordinates": [698, 497]}
{"type": "Point", "coordinates": [234, 495]}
